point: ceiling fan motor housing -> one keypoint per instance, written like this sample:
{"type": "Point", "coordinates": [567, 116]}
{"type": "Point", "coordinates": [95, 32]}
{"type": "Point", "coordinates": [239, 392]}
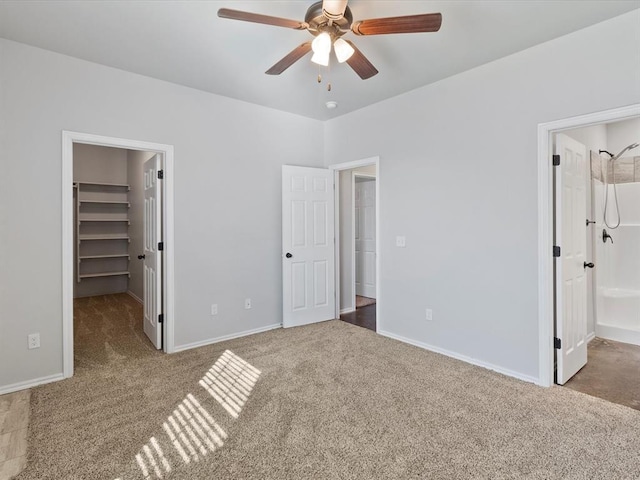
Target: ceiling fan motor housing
{"type": "Point", "coordinates": [319, 23]}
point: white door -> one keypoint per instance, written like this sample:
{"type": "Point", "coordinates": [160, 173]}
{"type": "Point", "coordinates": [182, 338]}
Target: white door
{"type": "Point", "coordinates": [307, 246]}
{"type": "Point", "coordinates": [365, 233]}
{"type": "Point", "coordinates": [152, 276]}
{"type": "Point", "coordinates": [571, 276]}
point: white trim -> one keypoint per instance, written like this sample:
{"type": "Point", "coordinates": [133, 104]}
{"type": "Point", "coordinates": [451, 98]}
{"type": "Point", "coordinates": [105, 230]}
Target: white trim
{"type": "Point", "coordinates": [347, 310]}
{"type": "Point", "coordinates": [134, 296]}
{"type": "Point", "coordinates": [457, 356]}
{"type": "Point", "coordinates": [591, 336]}
{"type": "Point", "coordinates": [545, 227]}
{"type": "Point", "coordinates": [352, 243]}
{"type": "Point", "coordinates": [202, 343]}
{"type": "Point", "coordinates": [337, 167]}
{"type": "Point", "coordinates": [16, 387]}
{"type": "Point", "coordinates": [68, 139]}
{"type": "Point", "coordinates": [355, 164]}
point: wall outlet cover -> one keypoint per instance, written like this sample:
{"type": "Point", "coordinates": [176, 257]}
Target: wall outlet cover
{"type": "Point", "coordinates": [401, 241]}
{"type": "Point", "coordinates": [214, 309]}
{"type": "Point", "coordinates": [247, 303]}
{"type": "Point", "coordinates": [33, 341]}
{"type": "Point", "coordinates": [429, 314]}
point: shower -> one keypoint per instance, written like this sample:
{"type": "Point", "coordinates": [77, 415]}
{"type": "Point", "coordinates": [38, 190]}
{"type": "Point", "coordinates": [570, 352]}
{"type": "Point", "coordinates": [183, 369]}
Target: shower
{"type": "Point", "coordinates": [615, 192]}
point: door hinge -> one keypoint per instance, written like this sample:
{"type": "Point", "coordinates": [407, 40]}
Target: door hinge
{"type": "Point", "coordinates": [556, 251]}
{"type": "Point", "coordinates": [161, 318]}
{"type": "Point", "coordinates": [556, 160]}
{"type": "Point", "coordinates": [557, 343]}
{"type": "Point", "coordinates": [160, 246]}
{"type": "Point", "coordinates": [160, 174]}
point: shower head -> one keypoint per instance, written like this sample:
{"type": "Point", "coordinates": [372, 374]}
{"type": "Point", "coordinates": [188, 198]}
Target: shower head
{"type": "Point", "coordinates": [626, 149]}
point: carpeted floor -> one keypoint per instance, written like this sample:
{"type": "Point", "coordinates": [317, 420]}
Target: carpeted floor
{"type": "Point", "coordinates": [325, 401]}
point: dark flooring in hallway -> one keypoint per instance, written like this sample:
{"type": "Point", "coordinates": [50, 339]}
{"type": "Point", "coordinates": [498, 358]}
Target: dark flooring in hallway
{"type": "Point", "coordinates": [612, 373]}
{"type": "Point", "coordinates": [362, 317]}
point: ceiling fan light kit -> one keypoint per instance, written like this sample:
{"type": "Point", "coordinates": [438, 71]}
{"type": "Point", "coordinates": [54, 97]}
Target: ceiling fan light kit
{"type": "Point", "coordinates": [321, 58]}
{"type": "Point", "coordinates": [328, 21]}
{"type": "Point", "coordinates": [343, 50]}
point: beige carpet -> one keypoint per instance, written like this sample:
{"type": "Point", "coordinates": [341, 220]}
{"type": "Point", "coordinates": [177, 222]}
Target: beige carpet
{"type": "Point", "coordinates": [327, 401]}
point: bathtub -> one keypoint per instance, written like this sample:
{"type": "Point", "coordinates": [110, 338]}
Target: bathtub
{"type": "Point", "coordinates": [619, 315]}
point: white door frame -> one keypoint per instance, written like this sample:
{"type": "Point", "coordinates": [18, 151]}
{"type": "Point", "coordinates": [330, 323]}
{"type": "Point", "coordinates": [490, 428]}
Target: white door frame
{"type": "Point", "coordinates": [545, 226]}
{"type": "Point", "coordinates": [166, 151]}
{"type": "Point", "coordinates": [337, 168]}
{"type": "Point", "coordinates": [353, 229]}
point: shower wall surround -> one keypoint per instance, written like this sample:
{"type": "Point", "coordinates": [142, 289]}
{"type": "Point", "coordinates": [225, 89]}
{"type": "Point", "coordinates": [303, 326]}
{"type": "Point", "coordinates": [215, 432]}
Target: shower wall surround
{"type": "Point", "coordinates": [617, 285]}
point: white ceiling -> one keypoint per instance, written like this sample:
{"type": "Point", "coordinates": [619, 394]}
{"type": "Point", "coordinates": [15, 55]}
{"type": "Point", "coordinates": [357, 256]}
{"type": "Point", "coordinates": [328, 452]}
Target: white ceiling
{"type": "Point", "coordinates": [184, 42]}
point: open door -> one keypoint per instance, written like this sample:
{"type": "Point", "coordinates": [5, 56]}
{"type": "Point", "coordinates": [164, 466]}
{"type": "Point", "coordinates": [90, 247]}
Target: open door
{"type": "Point", "coordinates": [308, 262]}
{"type": "Point", "coordinates": [570, 267]}
{"type": "Point", "coordinates": [152, 276]}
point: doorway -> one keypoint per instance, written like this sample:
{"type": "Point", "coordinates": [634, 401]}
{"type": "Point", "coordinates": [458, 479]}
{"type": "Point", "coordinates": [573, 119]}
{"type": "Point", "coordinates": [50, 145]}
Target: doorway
{"type": "Point", "coordinates": [564, 312]}
{"type": "Point", "coordinates": [106, 204]}
{"type": "Point", "coordinates": [610, 198]}
{"type": "Point", "coordinates": [358, 247]}
{"type": "Point", "coordinates": [357, 243]}
{"type": "Point", "coordinates": [312, 261]}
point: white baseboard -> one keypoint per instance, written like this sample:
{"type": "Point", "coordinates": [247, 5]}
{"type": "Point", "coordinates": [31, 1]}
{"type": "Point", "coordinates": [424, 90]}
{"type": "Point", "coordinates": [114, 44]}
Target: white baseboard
{"type": "Point", "coordinates": [624, 335]}
{"type": "Point", "coordinates": [591, 336]}
{"type": "Point", "coordinates": [347, 310]}
{"type": "Point", "coordinates": [15, 387]}
{"type": "Point", "coordinates": [209, 341]}
{"type": "Point", "coordinates": [464, 358]}
{"type": "Point", "coordinates": [134, 296]}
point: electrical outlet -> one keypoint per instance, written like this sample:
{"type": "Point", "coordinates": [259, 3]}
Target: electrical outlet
{"type": "Point", "coordinates": [247, 303]}
{"type": "Point", "coordinates": [429, 314]}
{"type": "Point", "coordinates": [214, 309]}
{"type": "Point", "coordinates": [401, 241]}
{"type": "Point", "coordinates": [33, 341]}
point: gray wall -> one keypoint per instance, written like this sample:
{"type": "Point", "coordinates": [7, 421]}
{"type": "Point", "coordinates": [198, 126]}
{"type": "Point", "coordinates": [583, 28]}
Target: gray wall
{"type": "Point", "coordinates": [621, 134]}
{"type": "Point", "coordinates": [458, 178]}
{"type": "Point", "coordinates": [228, 157]}
{"type": "Point", "coordinates": [93, 163]}
{"type": "Point", "coordinates": [135, 166]}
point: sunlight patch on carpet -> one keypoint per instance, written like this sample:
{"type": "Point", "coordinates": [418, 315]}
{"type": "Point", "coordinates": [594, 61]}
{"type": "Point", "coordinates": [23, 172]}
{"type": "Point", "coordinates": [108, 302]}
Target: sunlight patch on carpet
{"type": "Point", "coordinates": [190, 431]}
{"type": "Point", "coordinates": [230, 381]}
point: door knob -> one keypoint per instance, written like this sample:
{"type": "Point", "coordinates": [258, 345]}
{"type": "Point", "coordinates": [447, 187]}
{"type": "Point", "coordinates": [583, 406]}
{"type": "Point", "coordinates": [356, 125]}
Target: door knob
{"type": "Point", "coordinates": [589, 265]}
{"type": "Point", "coordinates": [140, 257]}
{"type": "Point", "coordinates": [288, 255]}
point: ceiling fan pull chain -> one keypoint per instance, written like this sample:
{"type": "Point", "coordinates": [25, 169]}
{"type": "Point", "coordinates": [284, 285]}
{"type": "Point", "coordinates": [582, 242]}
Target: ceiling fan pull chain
{"type": "Point", "coordinates": [328, 87]}
{"type": "Point", "coordinates": [319, 78]}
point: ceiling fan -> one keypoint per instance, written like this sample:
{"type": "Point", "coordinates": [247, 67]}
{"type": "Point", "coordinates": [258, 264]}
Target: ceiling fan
{"type": "Point", "coordinates": [328, 21]}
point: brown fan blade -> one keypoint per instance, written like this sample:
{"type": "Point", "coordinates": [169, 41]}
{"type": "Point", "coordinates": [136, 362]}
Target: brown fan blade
{"type": "Point", "coordinates": [360, 64]}
{"type": "Point", "coordinates": [428, 22]}
{"type": "Point", "coordinates": [291, 58]}
{"type": "Point", "coordinates": [264, 19]}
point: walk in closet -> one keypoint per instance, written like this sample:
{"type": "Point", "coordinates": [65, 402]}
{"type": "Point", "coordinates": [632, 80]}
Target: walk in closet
{"type": "Point", "coordinates": [108, 199]}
